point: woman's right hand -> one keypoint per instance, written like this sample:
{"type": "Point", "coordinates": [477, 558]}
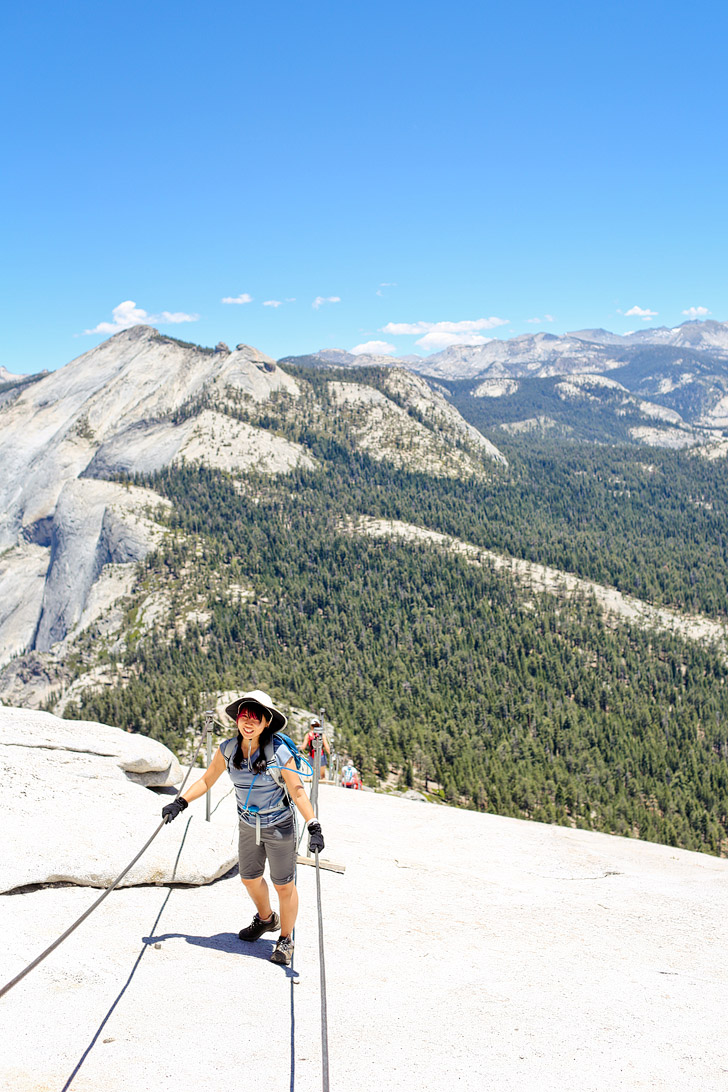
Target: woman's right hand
{"type": "Point", "coordinates": [171, 811]}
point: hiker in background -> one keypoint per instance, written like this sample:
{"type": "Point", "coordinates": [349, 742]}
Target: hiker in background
{"type": "Point", "coordinates": [267, 829]}
{"type": "Point", "coordinates": [350, 777]}
{"type": "Point", "coordinates": [308, 747]}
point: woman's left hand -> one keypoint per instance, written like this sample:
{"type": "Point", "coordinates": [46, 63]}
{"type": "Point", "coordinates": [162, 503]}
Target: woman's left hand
{"type": "Point", "coordinates": [315, 837]}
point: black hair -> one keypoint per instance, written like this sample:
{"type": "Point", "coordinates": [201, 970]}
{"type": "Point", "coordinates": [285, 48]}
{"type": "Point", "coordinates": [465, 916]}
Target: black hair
{"type": "Point", "coordinates": [260, 764]}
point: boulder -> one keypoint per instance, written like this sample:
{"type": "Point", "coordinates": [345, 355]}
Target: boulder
{"type": "Point", "coordinates": [79, 808]}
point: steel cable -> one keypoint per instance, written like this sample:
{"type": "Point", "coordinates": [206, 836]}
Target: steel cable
{"type": "Point", "coordinates": [322, 967]}
{"type": "Point", "coordinates": [318, 738]}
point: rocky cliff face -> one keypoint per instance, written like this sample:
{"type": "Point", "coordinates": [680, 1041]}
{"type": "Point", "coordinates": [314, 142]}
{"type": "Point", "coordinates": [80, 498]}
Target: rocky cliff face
{"type": "Point", "coordinates": [95, 524]}
{"type": "Point", "coordinates": [132, 405]}
{"type": "Point", "coordinates": [137, 379]}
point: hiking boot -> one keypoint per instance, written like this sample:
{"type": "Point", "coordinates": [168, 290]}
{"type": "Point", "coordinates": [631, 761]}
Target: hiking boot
{"type": "Point", "coordinates": [283, 951]}
{"type": "Point", "coordinates": [258, 927]}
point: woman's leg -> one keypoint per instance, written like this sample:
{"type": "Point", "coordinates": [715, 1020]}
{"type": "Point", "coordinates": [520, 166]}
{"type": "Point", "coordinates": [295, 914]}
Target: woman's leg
{"type": "Point", "coordinates": [280, 846]}
{"type": "Point", "coordinates": [258, 891]}
{"type": "Point", "coordinates": [251, 860]}
{"type": "Point", "coordinates": [288, 899]}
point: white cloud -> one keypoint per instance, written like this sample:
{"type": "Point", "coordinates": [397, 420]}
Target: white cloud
{"type": "Point", "coordinates": [242, 298]}
{"type": "Point", "coordinates": [127, 314]}
{"type": "Point", "coordinates": [533, 320]}
{"type": "Point", "coordinates": [438, 335]}
{"type": "Point", "coordinates": [172, 316]}
{"type": "Point", "coordinates": [696, 312]}
{"type": "Point", "coordinates": [386, 284]}
{"type": "Point", "coordinates": [641, 312]}
{"type": "Point", "coordinates": [272, 303]}
{"type": "Point", "coordinates": [380, 348]}
{"type": "Point", "coordinates": [464, 327]}
{"type": "Point", "coordinates": [406, 327]}
{"type": "Point", "coordinates": [440, 339]}
{"type": "Point", "coordinates": [325, 299]}
{"type": "Point", "coordinates": [549, 318]}
{"type": "Point", "coordinates": [546, 318]}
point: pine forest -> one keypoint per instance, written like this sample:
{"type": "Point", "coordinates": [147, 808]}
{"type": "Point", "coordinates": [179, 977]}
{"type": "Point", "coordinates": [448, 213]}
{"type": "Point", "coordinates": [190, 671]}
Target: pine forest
{"type": "Point", "coordinates": [445, 673]}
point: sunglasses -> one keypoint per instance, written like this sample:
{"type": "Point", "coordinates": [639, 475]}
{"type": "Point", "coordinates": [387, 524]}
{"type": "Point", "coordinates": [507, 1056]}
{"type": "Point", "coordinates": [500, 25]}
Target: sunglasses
{"type": "Point", "coordinates": [252, 712]}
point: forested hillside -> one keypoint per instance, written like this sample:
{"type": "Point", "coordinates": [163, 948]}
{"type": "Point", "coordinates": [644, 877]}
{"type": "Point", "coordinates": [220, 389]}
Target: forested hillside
{"type": "Point", "coordinates": [492, 696]}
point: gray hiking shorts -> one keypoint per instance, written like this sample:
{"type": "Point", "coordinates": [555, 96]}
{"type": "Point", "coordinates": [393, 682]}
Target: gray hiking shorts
{"type": "Point", "coordinates": [277, 843]}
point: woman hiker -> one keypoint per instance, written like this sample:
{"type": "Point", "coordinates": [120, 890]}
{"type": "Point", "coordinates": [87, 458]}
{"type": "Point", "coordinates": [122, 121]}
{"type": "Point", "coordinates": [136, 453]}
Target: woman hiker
{"type": "Point", "coordinates": [266, 827]}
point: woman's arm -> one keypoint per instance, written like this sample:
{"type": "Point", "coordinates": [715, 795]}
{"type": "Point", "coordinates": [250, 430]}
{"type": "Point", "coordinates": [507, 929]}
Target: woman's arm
{"type": "Point", "coordinates": [208, 779]}
{"type": "Point", "coordinates": [302, 802]}
{"type": "Point", "coordinates": [296, 790]}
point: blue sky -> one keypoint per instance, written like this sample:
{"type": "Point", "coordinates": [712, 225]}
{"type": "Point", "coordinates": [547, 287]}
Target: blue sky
{"type": "Point", "coordinates": [356, 173]}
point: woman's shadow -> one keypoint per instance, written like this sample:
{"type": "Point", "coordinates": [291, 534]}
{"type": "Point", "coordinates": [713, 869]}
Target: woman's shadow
{"type": "Point", "coordinates": [229, 943]}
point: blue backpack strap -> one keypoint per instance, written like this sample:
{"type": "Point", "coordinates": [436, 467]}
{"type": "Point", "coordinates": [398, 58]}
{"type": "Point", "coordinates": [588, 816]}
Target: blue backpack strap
{"type": "Point", "coordinates": [270, 757]}
{"type": "Point", "coordinates": [292, 747]}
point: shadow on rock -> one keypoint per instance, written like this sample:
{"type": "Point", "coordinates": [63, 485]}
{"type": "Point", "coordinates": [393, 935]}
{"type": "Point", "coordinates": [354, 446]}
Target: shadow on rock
{"type": "Point", "coordinates": [230, 943]}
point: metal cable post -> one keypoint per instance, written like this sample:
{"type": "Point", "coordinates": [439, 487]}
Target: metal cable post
{"type": "Point", "coordinates": [209, 719]}
{"type": "Point", "coordinates": [317, 745]}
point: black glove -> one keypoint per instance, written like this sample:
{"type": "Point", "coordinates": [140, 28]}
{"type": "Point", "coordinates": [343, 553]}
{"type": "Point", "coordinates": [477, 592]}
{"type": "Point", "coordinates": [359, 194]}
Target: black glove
{"type": "Point", "coordinates": [315, 837]}
{"type": "Point", "coordinates": [171, 811]}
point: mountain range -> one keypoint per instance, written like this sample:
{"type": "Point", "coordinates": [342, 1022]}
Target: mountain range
{"type": "Point", "coordinates": [71, 530]}
{"type": "Point", "coordinates": [71, 525]}
{"type": "Point", "coordinates": [540, 354]}
{"type": "Point", "coordinates": [661, 387]}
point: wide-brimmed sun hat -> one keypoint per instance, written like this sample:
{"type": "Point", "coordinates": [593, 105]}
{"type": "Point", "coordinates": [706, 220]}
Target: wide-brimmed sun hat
{"type": "Point", "coordinates": [259, 697]}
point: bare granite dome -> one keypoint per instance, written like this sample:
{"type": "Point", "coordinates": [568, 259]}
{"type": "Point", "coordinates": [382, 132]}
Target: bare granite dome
{"type": "Point", "coordinates": [463, 951]}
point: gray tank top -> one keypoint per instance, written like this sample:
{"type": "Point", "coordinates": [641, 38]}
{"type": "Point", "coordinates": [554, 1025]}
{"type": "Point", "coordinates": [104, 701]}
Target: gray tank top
{"type": "Point", "coordinates": [258, 794]}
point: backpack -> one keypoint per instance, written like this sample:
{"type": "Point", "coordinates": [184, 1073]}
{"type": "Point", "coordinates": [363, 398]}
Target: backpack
{"type": "Point", "coordinates": [275, 771]}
